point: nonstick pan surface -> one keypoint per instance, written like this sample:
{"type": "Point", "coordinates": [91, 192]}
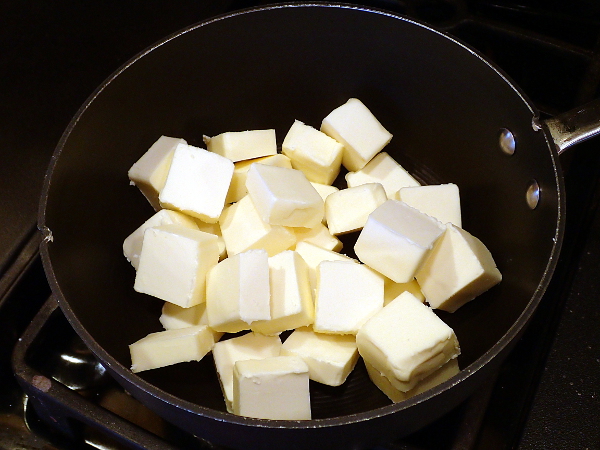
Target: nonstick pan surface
{"type": "Point", "coordinates": [263, 68]}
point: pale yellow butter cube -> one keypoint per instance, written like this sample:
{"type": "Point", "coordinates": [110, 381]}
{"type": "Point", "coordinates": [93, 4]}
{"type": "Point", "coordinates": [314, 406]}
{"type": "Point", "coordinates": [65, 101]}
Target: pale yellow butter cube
{"type": "Point", "coordinates": [238, 292]}
{"type": "Point", "coordinates": [324, 189]}
{"type": "Point", "coordinates": [249, 346]}
{"type": "Point", "coordinates": [237, 188]}
{"type": "Point", "coordinates": [149, 173]}
{"type": "Point", "coordinates": [385, 170]}
{"type": "Point", "coordinates": [441, 201]}
{"type": "Point", "coordinates": [272, 388]}
{"type": "Point", "coordinates": [132, 245]}
{"type": "Point", "coordinates": [314, 255]}
{"type": "Point", "coordinates": [396, 239]}
{"type": "Point", "coordinates": [174, 262]}
{"type": "Point", "coordinates": [391, 290]}
{"type": "Point", "coordinates": [213, 228]}
{"type": "Point", "coordinates": [291, 297]}
{"type": "Point", "coordinates": [174, 317]}
{"type": "Point", "coordinates": [317, 155]}
{"type": "Point", "coordinates": [330, 358]}
{"type": "Point", "coordinates": [284, 196]}
{"type": "Point", "coordinates": [241, 145]}
{"type": "Point", "coordinates": [358, 130]}
{"type": "Point", "coordinates": [243, 229]}
{"type": "Point", "coordinates": [347, 295]}
{"type": "Point", "coordinates": [406, 342]}
{"type": "Point", "coordinates": [319, 236]}
{"type": "Point", "coordinates": [444, 373]}
{"type": "Point", "coordinates": [197, 183]}
{"type": "Point", "coordinates": [473, 270]}
{"type": "Point", "coordinates": [165, 348]}
{"type": "Point", "coordinates": [348, 209]}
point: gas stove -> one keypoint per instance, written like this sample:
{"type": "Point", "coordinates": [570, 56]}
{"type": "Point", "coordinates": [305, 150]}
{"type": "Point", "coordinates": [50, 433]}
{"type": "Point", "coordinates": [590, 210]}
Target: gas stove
{"type": "Point", "coordinates": [55, 395]}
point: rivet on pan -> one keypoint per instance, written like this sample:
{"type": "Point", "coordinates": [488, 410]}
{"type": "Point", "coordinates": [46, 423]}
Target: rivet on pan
{"type": "Point", "coordinates": [507, 141]}
{"type": "Point", "coordinates": [533, 194]}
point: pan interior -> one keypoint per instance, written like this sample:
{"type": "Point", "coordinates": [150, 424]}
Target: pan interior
{"type": "Point", "coordinates": [264, 69]}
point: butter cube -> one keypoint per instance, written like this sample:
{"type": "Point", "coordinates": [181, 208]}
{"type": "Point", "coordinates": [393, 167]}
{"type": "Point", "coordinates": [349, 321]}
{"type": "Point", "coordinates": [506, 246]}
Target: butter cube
{"type": "Point", "coordinates": [444, 373]}
{"type": "Point", "coordinates": [324, 189]}
{"type": "Point", "coordinates": [213, 228]}
{"type": "Point", "coordinates": [317, 155]}
{"type": "Point", "coordinates": [173, 316]}
{"type": "Point", "coordinates": [291, 297]}
{"type": "Point", "coordinates": [248, 346]}
{"type": "Point", "coordinates": [319, 236]}
{"type": "Point", "coordinates": [284, 196]}
{"type": "Point", "coordinates": [385, 170]}
{"type": "Point", "coordinates": [174, 262]}
{"type": "Point", "coordinates": [197, 183]}
{"type": "Point", "coordinates": [238, 292]}
{"type": "Point", "coordinates": [358, 130]}
{"type": "Point", "coordinates": [441, 201]}
{"type": "Point", "coordinates": [132, 245]}
{"type": "Point", "coordinates": [241, 145]}
{"type": "Point", "coordinates": [347, 295]}
{"type": "Point", "coordinates": [314, 255]}
{"type": "Point", "coordinates": [243, 229]}
{"type": "Point", "coordinates": [406, 342]}
{"type": "Point", "coordinates": [272, 388]}
{"type": "Point", "coordinates": [165, 348]}
{"type": "Point", "coordinates": [391, 290]}
{"type": "Point", "coordinates": [237, 188]}
{"type": "Point", "coordinates": [149, 173]}
{"type": "Point", "coordinates": [348, 209]}
{"type": "Point", "coordinates": [459, 268]}
{"type": "Point", "coordinates": [396, 239]}
{"type": "Point", "coordinates": [330, 358]}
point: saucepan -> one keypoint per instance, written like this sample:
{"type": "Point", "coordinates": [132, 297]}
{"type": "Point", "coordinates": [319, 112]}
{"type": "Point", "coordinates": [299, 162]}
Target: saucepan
{"type": "Point", "coordinates": [455, 117]}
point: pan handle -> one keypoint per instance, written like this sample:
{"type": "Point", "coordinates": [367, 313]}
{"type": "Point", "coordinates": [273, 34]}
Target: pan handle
{"type": "Point", "coordinates": [574, 126]}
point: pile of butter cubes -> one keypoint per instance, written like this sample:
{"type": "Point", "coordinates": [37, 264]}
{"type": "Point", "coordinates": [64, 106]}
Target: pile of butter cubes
{"type": "Point", "coordinates": [245, 242]}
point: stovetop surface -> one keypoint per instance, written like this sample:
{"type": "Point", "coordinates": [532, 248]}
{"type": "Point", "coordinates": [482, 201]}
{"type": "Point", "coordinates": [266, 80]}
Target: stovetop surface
{"type": "Point", "coordinates": [54, 54]}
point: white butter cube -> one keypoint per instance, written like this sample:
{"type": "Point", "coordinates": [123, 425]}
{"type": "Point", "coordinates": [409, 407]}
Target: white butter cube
{"type": "Point", "coordinates": [396, 239]}
{"type": "Point", "coordinates": [459, 268]}
{"type": "Point", "coordinates": [347, 295]}
{"type": "Point", "coordinates": [406, 342]}
{"type": "Point", "coordinates": [317, 155]}
{"type": "Point", "coordinates": [441, 201]}
{"type": "Point", "coordinates": [213, 228]}
{"type": "Point", "coordinates": [132, 245]}
{"type": "Point", "coordinates": [272, 388]}
{"type": "Point", "coordinates": [241, 145]}
{"type": "Point", "coordinates": [237, 188]}
{"type": "Point", "coordinates": [314, 255]}
{"type": "Point", "coordinates": [358, 130]}
{"type": "Point", "coordinates": [324, 189]}
{"type": "Point", "coordinates": [391, 290]}
{"type": "Point", "coordinates": [385, 170]}
{"type": "Point", "coordinates": [291, 297]}
{"type": "Point", "coordinates": [444, 373]}
{"type": "Point", "coordinates": [319, 236]}
{"type": "Point", "coordinates": [243, 229]}
{"type": "Point", "coordinates": [197, 183]}
{"type": "Point", "coordinates": [284, 196]}
{"type": "Point", "coordinates": [173, 316]}
{"type": "Point", "coordinates": [149, 173]}
{"type": "Point", "coordinates": [330, 358]}
{"type": "Point", "coordinates": [249, 346]}
{"type": "Point", "coordinates": [238, 292]}
{"type": "Point", "coordinates": [165, 348]}
{"type": "Point", "coordinates": [174, 262]}
{"type": "Point", "coordinates": [348, 209]}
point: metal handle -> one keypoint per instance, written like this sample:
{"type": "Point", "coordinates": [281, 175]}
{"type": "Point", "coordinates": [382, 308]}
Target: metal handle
{"type": "Point", "coordinates": [575, 126]}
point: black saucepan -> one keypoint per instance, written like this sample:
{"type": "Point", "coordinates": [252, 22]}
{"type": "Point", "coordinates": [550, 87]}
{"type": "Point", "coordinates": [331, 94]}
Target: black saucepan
{"type": "Point", "coordinates": [449, 111]}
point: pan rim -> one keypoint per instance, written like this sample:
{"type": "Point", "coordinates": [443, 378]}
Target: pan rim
{"type": "Point", "coordinates": [501, 347]}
